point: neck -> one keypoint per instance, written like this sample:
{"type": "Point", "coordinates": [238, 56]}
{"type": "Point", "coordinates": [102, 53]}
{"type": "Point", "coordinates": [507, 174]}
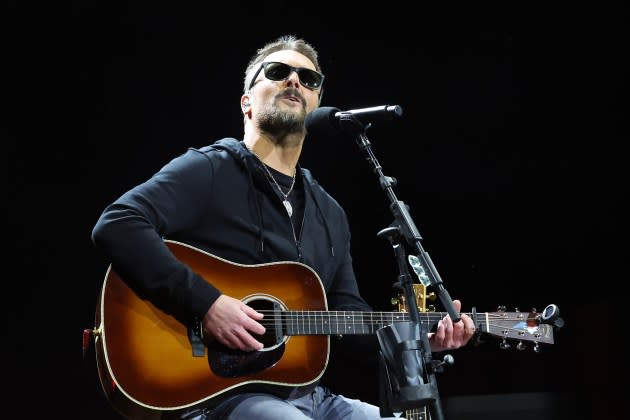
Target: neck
{"type": "Point", "coordinates": [281, 157]}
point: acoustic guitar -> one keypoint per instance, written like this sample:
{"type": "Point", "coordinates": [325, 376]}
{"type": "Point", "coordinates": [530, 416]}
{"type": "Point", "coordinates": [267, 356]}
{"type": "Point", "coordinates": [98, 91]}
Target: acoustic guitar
{"type": "Point", "coordinates": [152, 366]}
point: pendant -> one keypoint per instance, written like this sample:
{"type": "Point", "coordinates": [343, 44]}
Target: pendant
{"type": "Point", "coordinates": [287, 205]}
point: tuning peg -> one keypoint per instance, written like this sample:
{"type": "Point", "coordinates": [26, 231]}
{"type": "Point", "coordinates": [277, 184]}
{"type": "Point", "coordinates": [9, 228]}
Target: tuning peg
{"type": "Point", "coordinates": [520, 346]}
{"type": "Point", "coordinates": [550, 314]}
{"type": "Point", "coordinates": [439, 365]}
{"type": "Point", "coordinates": [536, 348]}
{"type": "Point", "coordinates": [501, 308]}
{"type": "Point", "coordinates": [504, 345]}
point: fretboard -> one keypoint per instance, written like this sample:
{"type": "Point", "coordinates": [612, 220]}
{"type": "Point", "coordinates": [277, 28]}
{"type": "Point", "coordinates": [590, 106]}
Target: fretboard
{"type": "Point", "coordinates": [346, 322]}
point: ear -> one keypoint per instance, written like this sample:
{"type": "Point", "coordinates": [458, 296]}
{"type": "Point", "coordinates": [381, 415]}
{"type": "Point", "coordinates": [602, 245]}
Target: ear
{"type": "Point", "coordinates": [245, 104]}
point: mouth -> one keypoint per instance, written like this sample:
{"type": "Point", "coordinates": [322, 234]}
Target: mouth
{"type": "Point", "coordinates": [291, 98]}
{"type": "Point", "coordinates": [292, 95]}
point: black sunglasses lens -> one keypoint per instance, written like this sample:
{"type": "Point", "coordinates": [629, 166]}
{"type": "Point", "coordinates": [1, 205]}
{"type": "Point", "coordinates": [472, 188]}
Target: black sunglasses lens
{"type": "Point", "coordinates": [280, 71]}
{"type": "Point", "coordinates": [277, 71]}
{"type": "Point", "coordinates": [310, 78]}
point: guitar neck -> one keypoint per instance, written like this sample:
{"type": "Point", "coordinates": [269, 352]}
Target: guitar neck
{"type": "Point", "coordinates": [347, 322]}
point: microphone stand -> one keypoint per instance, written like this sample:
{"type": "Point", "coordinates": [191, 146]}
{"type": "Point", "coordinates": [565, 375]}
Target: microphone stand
{"type": "Point", "coordinates": [413, 384]}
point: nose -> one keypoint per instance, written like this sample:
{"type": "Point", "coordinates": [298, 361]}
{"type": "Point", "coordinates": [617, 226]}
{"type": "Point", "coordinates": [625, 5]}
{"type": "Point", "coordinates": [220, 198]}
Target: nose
{"type": "Point", "coordinates": [293, 80]}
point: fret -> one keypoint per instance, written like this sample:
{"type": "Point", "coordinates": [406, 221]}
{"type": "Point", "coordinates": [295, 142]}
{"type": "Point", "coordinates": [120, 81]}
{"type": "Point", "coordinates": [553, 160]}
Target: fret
{"type": "Point", "coordinates": [291, 324]}
{"type": "Point", "coordinates": [302, 323]}
{"type": "Point", "coordinates": [326, 323]}
{"type": "Point", "coordinates": [365, 324]}
{"type": "Point", "coordinates": [312, 322]}
{"type": "Point", "coordinates": [416, 414]}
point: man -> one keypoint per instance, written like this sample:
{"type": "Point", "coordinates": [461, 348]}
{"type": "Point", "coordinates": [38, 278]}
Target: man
{"type": "Point", "coordinates": [248, 202]}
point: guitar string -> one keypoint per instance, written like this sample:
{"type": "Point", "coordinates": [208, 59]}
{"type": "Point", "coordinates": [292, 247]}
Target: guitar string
{"type": "Point", "coordinates": [342, 326]}
{"type": "Point", "coordinates": [490, 326]}
{"type": "Point", "coordinates": [438, 315]}
{"type": "Point", "coordinates": [427, 317]}
{"type": "Point", "coordinates": [377, 322]}
{"type": "Point", "coordinates": [363, 320]}
{"type": "Point", "coordinates": [376, 317]}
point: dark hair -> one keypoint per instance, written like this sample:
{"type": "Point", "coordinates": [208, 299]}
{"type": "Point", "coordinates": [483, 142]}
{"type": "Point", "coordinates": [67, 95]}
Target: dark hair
{"type": "Point", "coordinates": [285, 42]}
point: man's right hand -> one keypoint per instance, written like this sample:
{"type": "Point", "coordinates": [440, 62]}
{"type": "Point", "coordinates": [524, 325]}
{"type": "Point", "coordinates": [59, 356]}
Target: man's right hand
{"type": "Point", "coordinates": [230, 321]}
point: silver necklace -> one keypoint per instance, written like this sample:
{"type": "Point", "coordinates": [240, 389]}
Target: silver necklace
{"type": "Point", "coordinates": [287, 204]}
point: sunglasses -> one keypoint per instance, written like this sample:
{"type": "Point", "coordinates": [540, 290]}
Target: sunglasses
{"type": "Point", "coordinates": [280, 71]}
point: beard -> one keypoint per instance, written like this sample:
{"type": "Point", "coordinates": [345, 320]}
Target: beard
{"type": "Point", "coordinates": [281, 124]}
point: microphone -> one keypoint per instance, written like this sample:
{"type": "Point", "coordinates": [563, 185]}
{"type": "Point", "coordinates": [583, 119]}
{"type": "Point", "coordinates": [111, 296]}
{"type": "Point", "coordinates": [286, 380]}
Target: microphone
{"type": "Point", "coordinates": [326, 120]}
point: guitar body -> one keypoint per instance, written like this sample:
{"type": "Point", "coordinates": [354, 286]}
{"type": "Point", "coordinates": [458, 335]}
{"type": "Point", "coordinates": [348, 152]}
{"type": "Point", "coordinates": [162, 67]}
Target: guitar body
{"type": "Point", "coordinates": [145, 359]}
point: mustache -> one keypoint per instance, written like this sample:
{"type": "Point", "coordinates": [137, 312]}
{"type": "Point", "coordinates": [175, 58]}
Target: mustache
{"type": "Point", "coordinates": [292, 92]}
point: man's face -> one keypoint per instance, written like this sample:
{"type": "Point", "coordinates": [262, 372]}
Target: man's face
{"type": "Point", "coordinates": [283, 104]}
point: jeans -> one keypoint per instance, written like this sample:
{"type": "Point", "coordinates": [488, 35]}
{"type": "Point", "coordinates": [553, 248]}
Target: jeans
{"type": "Point", "coordinates": [320, 404]}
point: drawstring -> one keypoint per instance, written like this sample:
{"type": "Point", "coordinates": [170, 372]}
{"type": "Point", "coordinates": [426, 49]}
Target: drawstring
{"type": "Point", "coordinates": [328, 235]}
{"type": "Point", "coordinates": [258, 206]}
{"type": "Point", "coordinates": [260, 228]}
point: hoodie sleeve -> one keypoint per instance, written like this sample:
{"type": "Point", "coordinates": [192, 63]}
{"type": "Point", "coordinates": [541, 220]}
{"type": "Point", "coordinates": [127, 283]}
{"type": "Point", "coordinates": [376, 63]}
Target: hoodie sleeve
{"type": "Point", "coordinates": [130, 234]}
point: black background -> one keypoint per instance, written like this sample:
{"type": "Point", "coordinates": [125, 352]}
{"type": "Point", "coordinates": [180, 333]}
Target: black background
{"type": "Point", "coordinates": [510, 154]}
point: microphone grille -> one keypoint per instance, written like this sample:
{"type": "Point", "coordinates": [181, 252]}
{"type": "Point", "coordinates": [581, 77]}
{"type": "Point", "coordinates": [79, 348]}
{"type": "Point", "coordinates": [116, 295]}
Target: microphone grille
{"type": "Point", "coordinates": [322, 121]}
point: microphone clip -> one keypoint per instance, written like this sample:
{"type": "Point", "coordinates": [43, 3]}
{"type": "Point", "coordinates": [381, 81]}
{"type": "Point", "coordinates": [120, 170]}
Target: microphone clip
{"type": "Point", "coordinates": [351, 124]}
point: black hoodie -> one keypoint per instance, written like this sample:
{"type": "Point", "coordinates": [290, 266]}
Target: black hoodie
{"type": "Point", "coordinates": [218, 199]}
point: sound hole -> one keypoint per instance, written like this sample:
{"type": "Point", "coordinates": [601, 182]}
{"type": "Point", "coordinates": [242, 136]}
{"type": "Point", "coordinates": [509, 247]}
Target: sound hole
{"type": "Point", "coordinates": [234, 363]}
{"type": "Point", "coordinates": [274, 334]}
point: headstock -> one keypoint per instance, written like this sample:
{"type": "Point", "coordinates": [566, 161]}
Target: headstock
{"type": "Point", "coordinates": [520, 326]}
{"type": "Point", "coordinates": [516, 326]}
